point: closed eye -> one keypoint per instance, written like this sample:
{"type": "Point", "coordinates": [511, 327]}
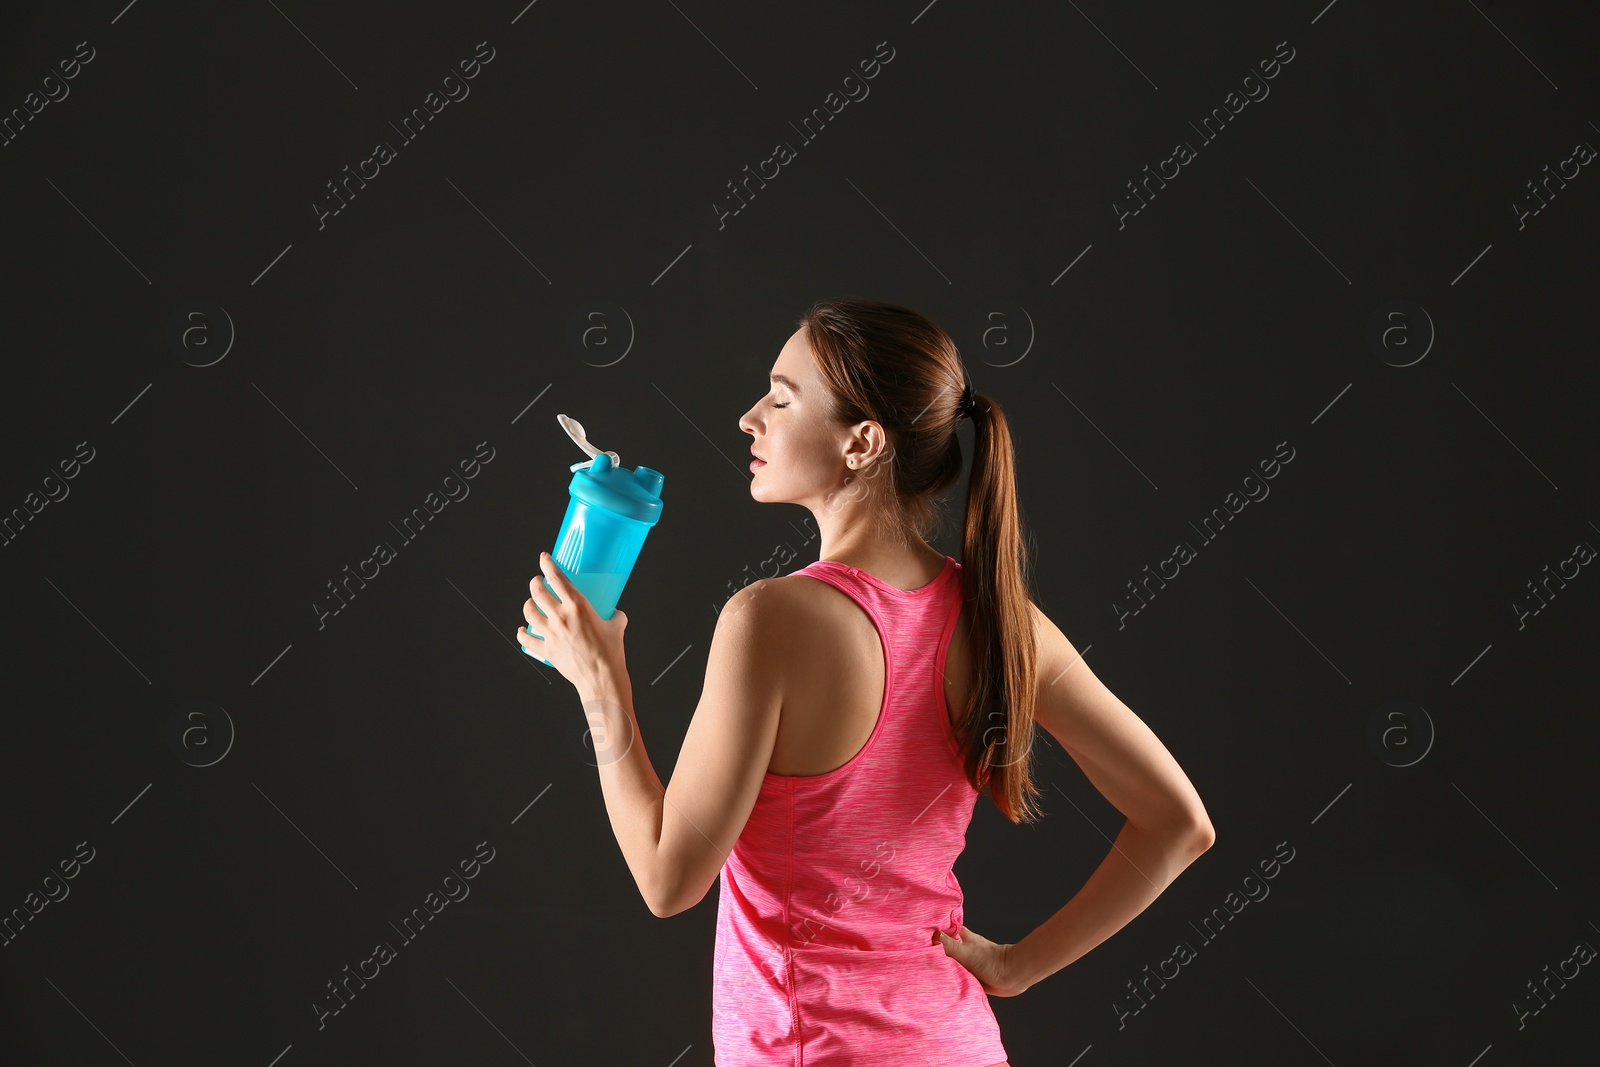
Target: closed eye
{"type": "Point", "coordinates": [782, 405]}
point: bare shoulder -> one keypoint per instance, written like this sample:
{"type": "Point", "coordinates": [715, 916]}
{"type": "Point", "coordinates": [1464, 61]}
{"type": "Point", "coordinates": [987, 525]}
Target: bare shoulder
{"type": "Point", "coordinates": [1068, 693]}
{"type": "Point", "coordinates": [1054, 652]}
{"type": "Point", "coordinates": [777, 607]}
{"type": "Point", "coordinates": [800, 592]}
{"type": "Point", "coordinates": [1057, 705]}
{"type": "Point", "coordinates": [777, 620]}
{"type": "Point", "coordinates": [1118, 752]}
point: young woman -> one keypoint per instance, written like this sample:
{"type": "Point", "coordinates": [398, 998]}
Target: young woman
{"type": "Point", "coordinates": [853, 711]}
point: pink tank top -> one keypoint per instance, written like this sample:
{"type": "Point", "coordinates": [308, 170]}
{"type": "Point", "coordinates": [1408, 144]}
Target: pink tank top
{"type": "Point", "coordinates": [828, 902]}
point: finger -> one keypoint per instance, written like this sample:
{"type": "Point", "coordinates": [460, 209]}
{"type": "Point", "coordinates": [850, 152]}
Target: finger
{"type": "Point", "coordinates": [543, 598]}
{"type": "Point", "coordinates": [531, 645]}
{"type": "Point", "coordinates": [541, 606]}
{"type": "Point", "coordinates": [557, 577]}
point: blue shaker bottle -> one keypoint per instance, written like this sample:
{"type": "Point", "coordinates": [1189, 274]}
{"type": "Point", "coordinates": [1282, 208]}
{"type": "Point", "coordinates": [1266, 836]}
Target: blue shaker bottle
{"type": "Point", "coordinates": [610, 511]}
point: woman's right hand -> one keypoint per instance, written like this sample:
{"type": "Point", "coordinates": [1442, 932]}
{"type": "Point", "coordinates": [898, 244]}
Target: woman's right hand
{"type": "Point", "coordinates": [991, 962]}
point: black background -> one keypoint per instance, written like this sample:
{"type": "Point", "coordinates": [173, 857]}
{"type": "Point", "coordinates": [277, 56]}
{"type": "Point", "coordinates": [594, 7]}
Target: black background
{"type": "Point", "coordinates": [365, 758]}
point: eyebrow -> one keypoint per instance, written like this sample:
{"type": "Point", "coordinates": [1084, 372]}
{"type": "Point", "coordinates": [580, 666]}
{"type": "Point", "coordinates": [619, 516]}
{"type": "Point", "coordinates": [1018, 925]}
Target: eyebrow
{"type": "Point", "coordinates": [785, 381]}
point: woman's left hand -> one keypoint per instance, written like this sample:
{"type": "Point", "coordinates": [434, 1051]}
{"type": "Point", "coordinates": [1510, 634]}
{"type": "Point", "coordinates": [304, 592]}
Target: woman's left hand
{"type": "Point", "coordinates": [576, 640]}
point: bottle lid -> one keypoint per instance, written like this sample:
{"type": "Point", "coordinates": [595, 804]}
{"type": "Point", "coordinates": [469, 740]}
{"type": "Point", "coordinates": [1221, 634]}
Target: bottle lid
{"type": "Point", "coordinates": [602, 481]}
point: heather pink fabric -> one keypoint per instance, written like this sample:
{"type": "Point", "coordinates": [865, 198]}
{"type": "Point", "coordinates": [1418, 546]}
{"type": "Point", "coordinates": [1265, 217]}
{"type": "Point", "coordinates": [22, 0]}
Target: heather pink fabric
{"type": "Point", "coordinates": [828, 902]}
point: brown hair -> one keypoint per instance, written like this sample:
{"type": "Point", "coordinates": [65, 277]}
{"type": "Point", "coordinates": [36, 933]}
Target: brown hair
{"type": "Point", "coordinates": [888, 364]}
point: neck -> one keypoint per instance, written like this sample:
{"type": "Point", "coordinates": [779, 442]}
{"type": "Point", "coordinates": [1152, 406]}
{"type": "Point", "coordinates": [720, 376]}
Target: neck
{"type": "Point", "coordinates": [865, 539]}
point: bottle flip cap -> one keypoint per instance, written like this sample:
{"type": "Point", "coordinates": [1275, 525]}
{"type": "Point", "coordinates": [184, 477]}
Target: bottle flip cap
{"type": "Point", "coordinates": [602, 481]}
{"type": "Point", "coordinates": [574, 430]}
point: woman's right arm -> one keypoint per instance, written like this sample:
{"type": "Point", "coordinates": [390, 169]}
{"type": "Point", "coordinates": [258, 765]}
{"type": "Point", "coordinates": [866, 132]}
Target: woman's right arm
{"type": "Point", "coordinates": [1167, 827]}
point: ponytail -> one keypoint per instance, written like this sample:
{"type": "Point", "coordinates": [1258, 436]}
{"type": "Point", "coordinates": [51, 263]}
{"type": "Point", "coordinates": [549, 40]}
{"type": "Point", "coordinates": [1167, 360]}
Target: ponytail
{"type": "Point", "coordinates": [996, 731]}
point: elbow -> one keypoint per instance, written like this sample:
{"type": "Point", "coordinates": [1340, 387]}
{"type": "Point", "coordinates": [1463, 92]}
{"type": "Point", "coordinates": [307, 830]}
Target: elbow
{"type": "Point", "coordinates": [1187, 831]}
{"type": "Point", "coordinates": [661, 906]}
{"type": "Point", "coordinates": [667, 907]}
{"type": "Point", "coordinates": [1199, 835]}
{"type": "Point", "coordinates": [665, 904]}
{"type": "Point", "coordinates": [1189, 834]}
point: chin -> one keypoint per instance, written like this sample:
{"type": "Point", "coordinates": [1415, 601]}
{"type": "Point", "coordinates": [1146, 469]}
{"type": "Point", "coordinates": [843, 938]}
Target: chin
{"type": "Point", "coordinates": [763, 494]}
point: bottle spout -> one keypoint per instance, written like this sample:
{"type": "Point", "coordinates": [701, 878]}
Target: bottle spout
{"type": "Point", "coordinates": [649, 480]}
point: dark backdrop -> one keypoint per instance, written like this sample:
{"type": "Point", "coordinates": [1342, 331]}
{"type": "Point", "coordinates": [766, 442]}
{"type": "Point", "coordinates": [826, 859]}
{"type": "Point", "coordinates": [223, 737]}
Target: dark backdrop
{"type": "Point", "coordinates": [1371, 663]}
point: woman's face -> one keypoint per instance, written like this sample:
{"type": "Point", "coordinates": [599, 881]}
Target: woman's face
{"type": "Point", "coordinates": [790, 430]}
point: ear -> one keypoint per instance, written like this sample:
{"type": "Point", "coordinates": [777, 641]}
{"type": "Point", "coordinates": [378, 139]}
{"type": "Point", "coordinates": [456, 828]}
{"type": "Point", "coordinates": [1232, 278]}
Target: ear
{"type": "Point", "coordinates": [865, 442]}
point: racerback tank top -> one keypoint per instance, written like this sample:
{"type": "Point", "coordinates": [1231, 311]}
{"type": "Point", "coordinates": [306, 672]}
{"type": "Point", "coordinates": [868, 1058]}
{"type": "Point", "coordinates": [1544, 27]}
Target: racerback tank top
{"type": "Point", "coordinates": [828, 902]}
